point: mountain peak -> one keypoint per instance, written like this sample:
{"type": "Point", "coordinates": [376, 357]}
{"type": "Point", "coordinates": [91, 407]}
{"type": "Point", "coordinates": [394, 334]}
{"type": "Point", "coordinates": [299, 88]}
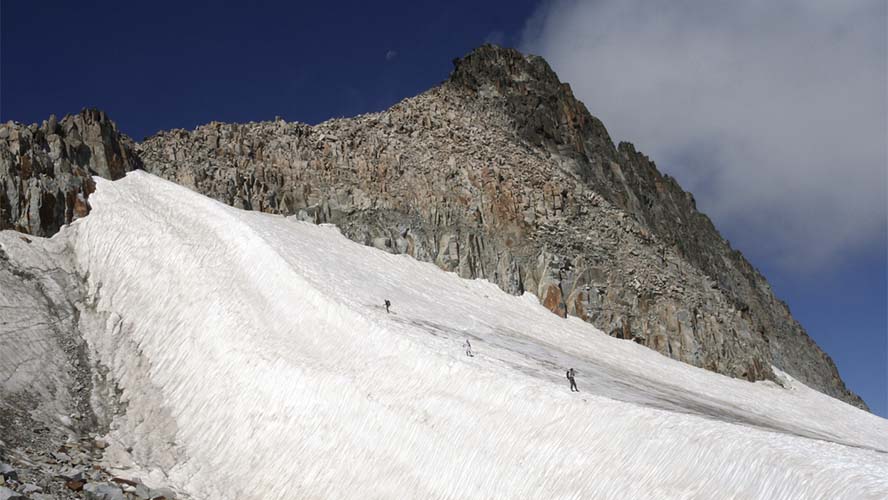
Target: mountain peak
{"type": "Point", "coordinates": [545, 111]}
{"type": "Point", "coordinates": [502, 68]}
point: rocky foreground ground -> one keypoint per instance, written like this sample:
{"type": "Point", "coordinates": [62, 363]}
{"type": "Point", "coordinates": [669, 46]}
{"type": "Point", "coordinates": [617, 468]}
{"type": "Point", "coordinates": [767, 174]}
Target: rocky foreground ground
{"type": "Point", "coordinates": [49, 468]}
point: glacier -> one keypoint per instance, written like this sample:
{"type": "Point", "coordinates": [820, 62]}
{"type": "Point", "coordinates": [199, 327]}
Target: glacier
{"type": "Point", "coordinates": [255, 360]}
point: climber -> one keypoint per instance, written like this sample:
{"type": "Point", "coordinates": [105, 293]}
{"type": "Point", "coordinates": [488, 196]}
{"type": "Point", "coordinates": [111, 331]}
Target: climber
{"type": "Point", "coordinates": [387, 305]}
{"type": "Point", "coordinates": [573, 383]}
{"type": "Point", "coordinates": [468, 347]}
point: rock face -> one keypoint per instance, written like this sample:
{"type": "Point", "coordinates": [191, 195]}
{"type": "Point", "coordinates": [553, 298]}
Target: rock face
{"type": "Point", "coordinates": [45, 171]}
{"type": "Point", "coordinates": [501, 173]}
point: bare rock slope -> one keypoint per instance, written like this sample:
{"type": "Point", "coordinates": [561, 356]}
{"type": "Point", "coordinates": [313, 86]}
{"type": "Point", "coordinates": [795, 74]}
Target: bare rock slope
{"type": "Point", "coordinates": [498, 173]}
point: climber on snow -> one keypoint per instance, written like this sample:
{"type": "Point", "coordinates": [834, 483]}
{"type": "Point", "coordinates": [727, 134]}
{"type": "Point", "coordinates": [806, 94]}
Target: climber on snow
{"type": "Point", "coordinates": [573, 383]}
{"type": "Point", "coordinates": [387, 305]}
{"type": "Point", "coordinates": [468, 347]}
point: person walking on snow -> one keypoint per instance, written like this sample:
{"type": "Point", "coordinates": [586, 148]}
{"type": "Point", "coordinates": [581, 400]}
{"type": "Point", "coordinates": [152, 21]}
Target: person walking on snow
{"type": "Point", "coordinates": [468, 347]}
{"type": "Point", "coordinates": [387, 305]}
{"type": "Point", "coordinates": [573, 383]}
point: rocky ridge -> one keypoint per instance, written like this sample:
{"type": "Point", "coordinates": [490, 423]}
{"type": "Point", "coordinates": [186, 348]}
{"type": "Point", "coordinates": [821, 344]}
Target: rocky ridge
{"type": "Point", "coordinates": [498, 173]}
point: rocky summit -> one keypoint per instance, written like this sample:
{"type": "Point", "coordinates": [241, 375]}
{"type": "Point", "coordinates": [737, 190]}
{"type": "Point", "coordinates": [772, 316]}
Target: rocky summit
{"type": "Point", "coordinates": [498, 173]}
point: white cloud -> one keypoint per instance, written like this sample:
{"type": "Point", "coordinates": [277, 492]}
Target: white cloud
{"type": "Point", "coordinates": [772, 113]}
{"type": "Point", "coordinates": [391, 54]}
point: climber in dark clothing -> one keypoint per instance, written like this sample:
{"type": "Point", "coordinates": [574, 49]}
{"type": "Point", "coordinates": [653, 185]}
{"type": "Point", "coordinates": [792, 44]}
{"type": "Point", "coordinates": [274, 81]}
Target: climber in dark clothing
{"type": "Point", "coordinates": [387, 305]}
{"type": "Point", "coordinates": [573, 383]}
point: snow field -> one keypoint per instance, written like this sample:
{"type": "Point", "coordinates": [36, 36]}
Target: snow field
{"type": "Point", "coordinates": [257, 361]}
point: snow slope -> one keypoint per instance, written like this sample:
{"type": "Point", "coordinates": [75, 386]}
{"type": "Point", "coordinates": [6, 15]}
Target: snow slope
{"type": "Point", "coordinates": [257, 362]}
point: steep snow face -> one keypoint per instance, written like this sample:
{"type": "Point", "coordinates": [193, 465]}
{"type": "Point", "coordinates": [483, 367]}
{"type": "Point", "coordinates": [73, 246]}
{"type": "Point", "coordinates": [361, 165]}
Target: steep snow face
{"type": "Point", "coordinates": [257, 361]}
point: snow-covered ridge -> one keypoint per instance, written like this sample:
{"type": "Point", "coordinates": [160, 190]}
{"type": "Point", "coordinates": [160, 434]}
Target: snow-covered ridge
{"type": "Point", "coordinates": [258, 362]}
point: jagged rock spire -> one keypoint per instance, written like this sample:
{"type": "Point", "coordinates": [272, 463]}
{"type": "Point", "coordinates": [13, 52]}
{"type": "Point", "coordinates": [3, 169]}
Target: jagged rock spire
{"type": "Point", "coordinates": [45, 170]}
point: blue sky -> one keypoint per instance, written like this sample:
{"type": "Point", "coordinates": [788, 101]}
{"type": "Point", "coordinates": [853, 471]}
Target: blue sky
{"type": "Point", "coordinates": [774, 117]}
{"type": "Point", "coordinates": [158, 65]}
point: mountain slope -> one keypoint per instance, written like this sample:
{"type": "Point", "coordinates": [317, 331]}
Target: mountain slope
{"type": "Point", "coordinates": [498, 173]}
{"type": "Point", "coordinates": [255, 360]}
{"type": "Point", "coordinates": [501, 173]}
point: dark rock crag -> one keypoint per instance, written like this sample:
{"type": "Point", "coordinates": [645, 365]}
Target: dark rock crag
{"type": "Point", "coordinates": [46, 171]}
{"type": "Point", "coordinates": [498, 173]}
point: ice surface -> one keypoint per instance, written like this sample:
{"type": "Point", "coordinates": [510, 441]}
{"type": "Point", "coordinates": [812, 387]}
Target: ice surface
{"type": "Point", "coordinates": [258, 361]}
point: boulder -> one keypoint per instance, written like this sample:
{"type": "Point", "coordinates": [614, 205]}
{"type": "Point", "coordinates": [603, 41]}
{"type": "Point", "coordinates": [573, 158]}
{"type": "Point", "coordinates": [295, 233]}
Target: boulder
{"type": "Point", "coordinates": [8, 494]}
{"type": "Point", "coordinates": [103, 491]}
